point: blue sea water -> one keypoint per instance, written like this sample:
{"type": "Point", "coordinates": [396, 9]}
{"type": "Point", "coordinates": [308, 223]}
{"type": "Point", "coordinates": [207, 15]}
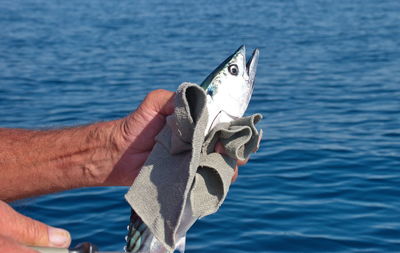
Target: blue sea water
{"type": "Point", "coordinates": [327, 175]}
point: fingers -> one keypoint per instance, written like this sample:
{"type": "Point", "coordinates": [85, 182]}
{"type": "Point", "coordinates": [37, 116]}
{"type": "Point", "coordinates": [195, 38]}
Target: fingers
{"type": "Point", "coordinates": [30, 232]}
{"type": "Point", "coordinates": [10, 246]}
{"type": "Point", "coordinates": [160, 101]}
{"type": "Point", "coordinates": [242, 162]}
{"type": "Point", "coordinates": [235, 175]}
{"type": "Point", "coordinates": [220, 149]}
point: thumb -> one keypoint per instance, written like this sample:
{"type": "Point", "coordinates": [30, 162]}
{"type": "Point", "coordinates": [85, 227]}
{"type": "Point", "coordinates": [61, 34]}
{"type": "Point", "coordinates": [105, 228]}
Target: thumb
{"type": "Point", "coordinates": [29, 231]}
{"type": "Point", "coordinates": [159, 101]}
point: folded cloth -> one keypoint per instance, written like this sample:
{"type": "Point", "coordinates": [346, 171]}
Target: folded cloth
{"type": "Point", "coordinates": [183, 170]}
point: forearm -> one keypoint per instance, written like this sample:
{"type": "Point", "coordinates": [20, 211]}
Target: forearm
{"type": "Point", "coordinates": [39, 162]}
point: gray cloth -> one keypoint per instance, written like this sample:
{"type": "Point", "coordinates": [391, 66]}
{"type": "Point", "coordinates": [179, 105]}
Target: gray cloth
{"type": "Point", "coordinates": [183, 165]}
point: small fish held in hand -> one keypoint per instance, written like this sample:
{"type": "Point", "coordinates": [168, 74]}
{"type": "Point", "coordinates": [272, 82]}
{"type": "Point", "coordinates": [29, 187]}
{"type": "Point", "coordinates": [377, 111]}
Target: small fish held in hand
{"type": "Point", "coordinates": [229, 88]}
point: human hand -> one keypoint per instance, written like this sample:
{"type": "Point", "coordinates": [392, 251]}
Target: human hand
{"type": "Point", "coordinates": [220, 149]}
{"type": "Point", "coordinates": [100, 154]}
{"type": "Point", "coordinates": [135, 136]}
{"type": "Point", "coordinates": [17, 230]}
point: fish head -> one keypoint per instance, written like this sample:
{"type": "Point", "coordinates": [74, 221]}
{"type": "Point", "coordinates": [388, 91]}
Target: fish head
{"type": "Point", "coordinates": [231, 84]}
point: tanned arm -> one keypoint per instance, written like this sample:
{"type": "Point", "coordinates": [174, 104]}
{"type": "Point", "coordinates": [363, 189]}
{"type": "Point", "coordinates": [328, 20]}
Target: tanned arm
{"type": "Point", "coordinates": [101, 154]}
{"type": "Point", "coordinates": [38, 162]}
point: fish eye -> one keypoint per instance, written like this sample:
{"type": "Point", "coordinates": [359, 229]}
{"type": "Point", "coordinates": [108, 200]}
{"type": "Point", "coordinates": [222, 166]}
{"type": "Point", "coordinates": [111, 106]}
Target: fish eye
{"type": "Point", "coordinates": [233, 69]}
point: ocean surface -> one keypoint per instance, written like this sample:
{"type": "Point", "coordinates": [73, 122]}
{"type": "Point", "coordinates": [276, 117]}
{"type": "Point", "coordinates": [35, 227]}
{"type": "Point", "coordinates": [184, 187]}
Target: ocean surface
{"type": "Point", "coordinates": [327, 175]}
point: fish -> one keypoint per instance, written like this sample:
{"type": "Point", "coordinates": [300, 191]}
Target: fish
{"type": "Point", "coordinates": [230, 86]}
{"type": "Point", "coordinates": [229, 89]}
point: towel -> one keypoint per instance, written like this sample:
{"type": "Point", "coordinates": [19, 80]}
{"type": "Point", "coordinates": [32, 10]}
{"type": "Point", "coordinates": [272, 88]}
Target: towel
{"type": "Point", "coordinates": [184, 172]}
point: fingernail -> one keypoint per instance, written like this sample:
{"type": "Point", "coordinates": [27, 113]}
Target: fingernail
{"type": "Point", "coordinates": [59, 237]}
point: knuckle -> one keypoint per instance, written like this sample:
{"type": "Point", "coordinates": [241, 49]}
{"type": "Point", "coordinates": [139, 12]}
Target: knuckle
{"type": "Point", "coordinates": [36, 232]}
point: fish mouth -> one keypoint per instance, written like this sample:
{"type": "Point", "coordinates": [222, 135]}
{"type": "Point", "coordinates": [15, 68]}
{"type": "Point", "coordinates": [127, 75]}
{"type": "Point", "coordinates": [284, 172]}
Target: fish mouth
{"type": "Point", "coordinates": [251, 66]}
{"type": "Point", "coordinates": [247, 83]}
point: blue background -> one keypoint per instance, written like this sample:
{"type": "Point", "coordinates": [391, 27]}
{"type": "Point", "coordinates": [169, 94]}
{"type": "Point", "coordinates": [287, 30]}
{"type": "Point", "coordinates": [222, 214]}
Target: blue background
{"type": "Point", "coordinates": [326, 178]}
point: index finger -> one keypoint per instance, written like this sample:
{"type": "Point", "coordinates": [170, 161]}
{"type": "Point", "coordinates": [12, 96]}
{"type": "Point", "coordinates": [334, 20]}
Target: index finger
{"type": "Point", "coordinates": [29, 231]}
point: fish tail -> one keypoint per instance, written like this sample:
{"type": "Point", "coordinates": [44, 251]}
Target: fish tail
{"type": "Point", "coordinates": [137, 234]}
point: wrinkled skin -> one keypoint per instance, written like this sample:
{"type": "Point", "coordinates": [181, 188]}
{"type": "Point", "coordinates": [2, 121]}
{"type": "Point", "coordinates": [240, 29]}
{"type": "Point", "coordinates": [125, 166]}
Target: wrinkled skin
{"type": "Point", "coordinates": [132, 139]}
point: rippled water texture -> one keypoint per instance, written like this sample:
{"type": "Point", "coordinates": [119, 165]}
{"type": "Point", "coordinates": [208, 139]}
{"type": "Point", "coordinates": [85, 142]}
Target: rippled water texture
{"type": "Point", "coordinates": [326, 178]}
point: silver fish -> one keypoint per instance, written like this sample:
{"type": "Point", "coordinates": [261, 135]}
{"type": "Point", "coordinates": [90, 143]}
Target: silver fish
{"type": "Point", "coordinates": [229, 88]}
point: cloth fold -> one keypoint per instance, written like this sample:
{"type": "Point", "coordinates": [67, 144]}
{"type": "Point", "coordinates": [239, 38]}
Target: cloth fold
{"type": "Point", "coordinates": [183, 165]}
